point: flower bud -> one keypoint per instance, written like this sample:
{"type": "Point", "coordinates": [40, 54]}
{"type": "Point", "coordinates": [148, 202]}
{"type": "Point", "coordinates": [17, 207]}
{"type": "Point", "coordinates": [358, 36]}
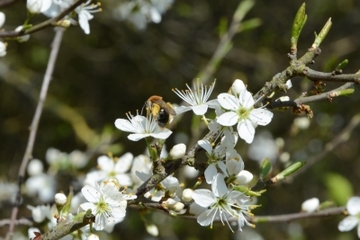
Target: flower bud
{"type": "Point", "coordinates": [237, 87]}
{"type": "Point", "coordinates": [178, 151]}
{"type": "Point", "coordinates": [310, 205]}
{"type": "Point", "coordinates": [152, 230]}
{"type": "Point", "coordinates": [244, 177]}
{"type": "Point", "coordinates": [93, 237]}
{"type": "Point", "coordinates": [35, 167]}
{"type": "Point", "coordinates": [2, 19]}
{"type": "Point", "coordinates": [2, 49]}
{"type": "Point", "coordinates": [187, 195]}
{"type": "Point", "coordinates": [60, 199]}
{"type": "Point", "coordinates": [38, 6]}
{"type": "Point", "coordinates": [178, 207]}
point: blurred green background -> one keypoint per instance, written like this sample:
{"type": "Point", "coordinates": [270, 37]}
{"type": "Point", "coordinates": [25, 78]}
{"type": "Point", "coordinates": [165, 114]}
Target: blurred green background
{"type": "Point", "coordinates": [101, 76]}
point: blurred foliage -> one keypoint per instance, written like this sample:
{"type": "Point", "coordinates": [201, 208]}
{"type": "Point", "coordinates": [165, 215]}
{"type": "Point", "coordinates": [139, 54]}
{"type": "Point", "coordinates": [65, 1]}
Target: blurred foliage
{"type": "Point", "coordinates": [116, 68]}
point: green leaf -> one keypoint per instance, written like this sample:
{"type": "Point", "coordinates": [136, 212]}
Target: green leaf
{"type": "Point", "coordinates": [339, 188]}
{"type": "Point", "coordinates": [265, 168]}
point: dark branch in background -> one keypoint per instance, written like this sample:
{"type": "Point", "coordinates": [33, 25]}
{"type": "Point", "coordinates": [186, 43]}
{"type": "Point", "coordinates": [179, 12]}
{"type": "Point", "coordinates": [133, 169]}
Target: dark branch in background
{"type": "Point", "coordinates": [330, 77]}
{"type": "Point", "coordinates": [34, 126]}
{"type": "Point", "coordinates": [6, 3]}
{"type": "Point", "coordinates": [299, 68]}
{"type": "Point", "coordinates": [46, 24]}
{"type": "Point", "coordinates": [342, 137]}
{"type": "Point", "coordinates": [334, 211]}
{"type": "Point", "coordinates": [296, 216]}
{"type": "Point", "coordinates": [326, 95]}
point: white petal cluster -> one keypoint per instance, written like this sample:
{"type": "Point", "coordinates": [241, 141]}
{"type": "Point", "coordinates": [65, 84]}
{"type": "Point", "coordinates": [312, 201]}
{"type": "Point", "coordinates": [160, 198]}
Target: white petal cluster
{"type": "Point", "coordinates": [353, 220]}
{"type": "Point", "coordinates": [38, 6]}
{"type": "Point", "coordinates": [106, 202]}
{"type": "Point", "coordinates": [220, 203]}
{"type": "Point", "coordinates": [197, 97]}
{"type": "Point", "coordinates": [112, 167]}
{"type": "Point", "coordinates": [241, 111]}
{"type": "Point", "coordinates": [140, 12]}
{"type": "Point", "coordinates": [141, 127]}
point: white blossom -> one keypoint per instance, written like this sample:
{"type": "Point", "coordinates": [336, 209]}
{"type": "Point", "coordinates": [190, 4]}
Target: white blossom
{"type": "Point", "coordinates": [241, 111]}
{"type": "Point", "coordinates": [2, 19]}
{"type": "Point", "coordinates": [197, 97]}
{"type": "Point", "coordinates": [178, 151]}
{"type": "Point", "coordinates": [106, 202]}
{"type": "Point", "coordinates": [38, 6]}
{"type": "Point", "coordinates": [2, 49]}
{"type": "Point", "coordinates": [215, 159]}
{"type": "Point", "coordinates": [220, 204]}
{"type": "Point", "coordinates": [85, 14]}
{"type": "Point", "coordinates": [141, 127]}
{"type": "Point", "coordinates": [310, 205]}
{"type": "Point", "coordinates": [112, 167]}
{"type": "Point", "coordinates": [60, 199]}
{"type": "Point", "coordinates": [35, 167]}
{"type": "Point", "coordinates": [351, 221]}
{"type": "Point", "coordinates": [141, 12]}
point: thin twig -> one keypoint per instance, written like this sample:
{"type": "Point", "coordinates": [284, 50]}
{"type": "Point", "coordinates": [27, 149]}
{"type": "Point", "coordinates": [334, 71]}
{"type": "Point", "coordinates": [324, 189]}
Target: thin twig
{"type": "Point", "coordinates": [326, 95]}
{"type": "Point", "coordinates": [296, 216]}
{"type": "Point", "coordinates": [342, 137]}
{"type": "Point", "coordinates": [46, 24]}
{"type": "Point", "coordinates": [35, 123]}
{"type": "Point", "coordinates": [225, 43]}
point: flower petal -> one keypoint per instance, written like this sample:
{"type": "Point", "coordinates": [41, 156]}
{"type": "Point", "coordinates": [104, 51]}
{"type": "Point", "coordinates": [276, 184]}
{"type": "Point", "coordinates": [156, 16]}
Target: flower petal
{"type": "Point", "coordinates": [228, 101]}
{"type": "Point", "coordinates": [246, 130]}
{"type": "Point", "coordinates": [348, 223]}
{"type": "Point", "coordinates": [161, 134]}
{"type": "Point", "coordinates": [218, 186]}
{"type": "Point", "coordinates": [181, 109]}
{"type": "Point", "coordinates": [124, 163]}
{"type": "Point", "coordinates": [210, 173]}
{"type": "Point", "coordinates": [105, 163]}
{"type": "Point", "coordinates": [205, 144]}
{"type": "Point", "coordinates": [246, 99]}
{"type": "Point", "coordinates": [200, 109]}
{"type": "Point", "coordinates": [90, 193]}
{"type": "Point", "coordinates": [228, 119]}
{"type": "Point", "coordinates": [124, 125]}
{"type": "Point", "coordinates": [137, 136]}
{"type": "Point", "coordinates": [261, 116]}
{"type": "Point", "coordinates": [205, 218]}
{"type": "Point", "coordinates": [353, 206]}
{"type": "Point", "coordinates": [204, 197]}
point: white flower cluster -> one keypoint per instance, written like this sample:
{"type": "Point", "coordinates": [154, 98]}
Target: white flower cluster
{"type": "Point", "coordinates": [140, 12]}
{"type": "Point", "coordinates": [52, 8]}
{"type": "Point", "coordinates": [225, 170]}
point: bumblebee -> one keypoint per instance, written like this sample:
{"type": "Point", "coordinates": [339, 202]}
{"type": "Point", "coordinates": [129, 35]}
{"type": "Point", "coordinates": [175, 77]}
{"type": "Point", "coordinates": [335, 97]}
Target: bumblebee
{"type": "Point", "coordinates": [161, 111]}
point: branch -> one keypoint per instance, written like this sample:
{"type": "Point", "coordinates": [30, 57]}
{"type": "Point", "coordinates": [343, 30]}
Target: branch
{"type": "Point", "coordinates": [296, 216]}
{"type": "Point", "coordinates": [225, 43]}
{"type": "Point", "coordinates": [46, 24]}
{"type": "Point", "coordinates": [340, 91]}
{"type": "Point", "coordinates": [34, 125]}
{"type": "Point", "coordinates": [5, 3]}
{"type": "Point", "coordinates": [342, 137]}
{"type": "Point", "coordinates": [330, 77]}
{"type": "Point", "coordinates": [171, 166]}
{"type": "Point", "coordinates": [64, 228]}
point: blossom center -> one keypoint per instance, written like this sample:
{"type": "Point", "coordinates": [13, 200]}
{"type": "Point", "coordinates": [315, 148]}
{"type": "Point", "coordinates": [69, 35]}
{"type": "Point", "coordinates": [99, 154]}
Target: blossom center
{"type": "Point", "coordinates": [102, 206]}
{"type": "Point", "coordinates": [243, 113]}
